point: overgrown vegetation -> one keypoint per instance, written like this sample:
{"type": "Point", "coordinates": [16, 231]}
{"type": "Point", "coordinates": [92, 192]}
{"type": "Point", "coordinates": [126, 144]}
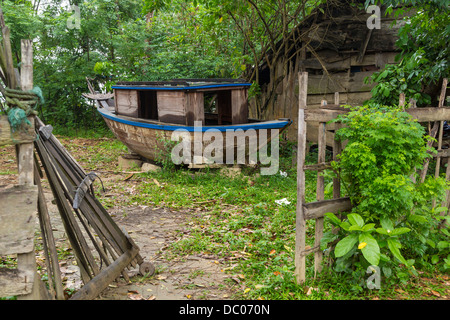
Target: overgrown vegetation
{"type": "Point", "coordinates": [424, 57]}
{"type": "Point", "coordinates": [394, 224]}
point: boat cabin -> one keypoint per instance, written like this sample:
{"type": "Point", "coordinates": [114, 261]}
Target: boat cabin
{"type": "Point", "coordinates": [211, 101]}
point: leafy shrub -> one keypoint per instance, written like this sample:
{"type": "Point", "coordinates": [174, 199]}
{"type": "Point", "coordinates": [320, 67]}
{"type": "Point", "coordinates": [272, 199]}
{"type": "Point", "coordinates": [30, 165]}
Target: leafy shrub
{"type": "Point", "coordinates": [392, 213]}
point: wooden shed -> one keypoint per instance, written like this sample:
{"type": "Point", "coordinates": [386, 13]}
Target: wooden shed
{"type": "Point", "coordinates": [338, 51]}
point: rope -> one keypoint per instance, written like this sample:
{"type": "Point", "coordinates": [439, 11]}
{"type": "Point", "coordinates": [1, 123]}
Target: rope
{"type": "Point", "coordinates": [21, 105]}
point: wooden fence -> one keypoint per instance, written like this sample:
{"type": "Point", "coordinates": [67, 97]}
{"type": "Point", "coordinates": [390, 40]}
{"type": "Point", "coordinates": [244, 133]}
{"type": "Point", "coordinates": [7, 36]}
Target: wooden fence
{"type": "Point", "coordinates": [316, 210]}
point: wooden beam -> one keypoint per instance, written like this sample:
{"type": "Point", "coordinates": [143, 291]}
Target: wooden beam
{"type": "Point", "coordinates": [94, 287]}
{"type": "Point", "coordinates": [15, 282]}
{"type": "Point", "coordinates": [17, 216]}
{"type": "Point", "coordinates": [314, 210]}
{"type": "Point", "coordinates": [300, 223]}
{"type": "Point", "coordinates": [320, 196]}
{"type": "Point", "coordinates": [239, 106]}
{"type": "Point", "coordinates": [429, 114]}
{"type": "Point", "coordinates": [322, 115]}
{"type": "Point", "coordinates": [421, 114]}
{"type": "Point", "coordinates": [318, 166]}
{"type": "Point", "coordinates": [7, 137]}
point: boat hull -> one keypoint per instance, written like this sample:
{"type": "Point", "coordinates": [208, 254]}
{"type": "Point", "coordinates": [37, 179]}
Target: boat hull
{"type": "Point", "coordinates": [152, 139]}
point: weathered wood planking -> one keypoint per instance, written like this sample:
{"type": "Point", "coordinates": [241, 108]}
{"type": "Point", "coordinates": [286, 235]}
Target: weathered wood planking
{"type": "Point", "coordinates": [127, 102]}
{"type": "Point", "coordinates": [239, 106]}
{"type": "Point", "coordinates": [15, 282]}
{"type": "Point", "coordinates": [17, 219]}
{"type": "Point", "coordinates": [315, 210]}
{"type": "Point", "coordinates": [171, 106]}
{"type": "Point", "coordinates": [429, 114]}
{"type": "Point", "coordinates": [7, 137]}
{"type": "Point", "coordinates": [195, 108]}
{"type": "Point", "coordinates": [147, 142]}
{"type": "Point", "coordinates": [421, 114]}
{"type": "Point", "coordinates": [339, 82]}
{"type": "Point", "coordinates": [300, 222]}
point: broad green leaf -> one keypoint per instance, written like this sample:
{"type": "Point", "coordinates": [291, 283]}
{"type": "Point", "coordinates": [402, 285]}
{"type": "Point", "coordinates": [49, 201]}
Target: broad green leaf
{"type": "Point", "coordinates": [356, 219]}
{"type": "Point", "coordinates": [387, 224]}
{"type": "Point", "coordinates": [398, 231]}
{"type": "Point", "coordinates": [345, 225]}
{"type": "Point", "coordinates": [368, 227]}
{"type": "Point", "coordinates": [381, 231]}
{"type": "Point", "coordinates": [345, 245]}
{"type": "Point", "coordinates": [355, 228]}
{"type": "Point", "coordinates": [435, 259]}
{"type": "Point", "coordinates": [417, 218]}
{"type": "Point", "coordinates": [334, 219]}
{"type": "Point", "coordinates": [371, 251]}
{"type": "Point", "coordinates": [442, 244]}
{"type": "Point", "coordinates": [394, 245]}
{"type": "Point", "coordinates": [431, 243]}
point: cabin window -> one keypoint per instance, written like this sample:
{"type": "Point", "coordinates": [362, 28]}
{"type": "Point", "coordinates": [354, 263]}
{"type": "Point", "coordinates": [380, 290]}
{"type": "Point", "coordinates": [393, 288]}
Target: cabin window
{"type": "Point", "coordinates": [148, 106]}
{"type": "Point", "coordinates": [217, 107]}
{"type": "Point", "coordinates": [224, 107]}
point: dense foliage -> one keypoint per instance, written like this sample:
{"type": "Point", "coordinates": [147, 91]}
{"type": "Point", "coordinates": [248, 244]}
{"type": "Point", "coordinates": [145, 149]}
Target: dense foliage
{"type": "Point", "coordinates": [424, 41]}
{"type": "Point", "coordinates": [394, 221]}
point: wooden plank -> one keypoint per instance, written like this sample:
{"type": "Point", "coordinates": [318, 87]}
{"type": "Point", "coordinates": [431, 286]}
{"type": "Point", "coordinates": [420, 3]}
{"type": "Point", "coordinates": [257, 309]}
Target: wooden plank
{"type": "Point", "coordinates": [171, 106]}
{"type": "Point", "coordinates": [337, 149]}
{"type": "Point", "coordinates": [300, 223]}
{"type": "Point", "coordinates": [54, 273]}
{"type": "Point", "coordinates": [10, 73]}
{"type": "Point", "coordinates": [195, 108]}
{"type": "Point", "coordinates": [322, 115]}
{"type": "Point", "coordinates": [318, 166]}
{"type": "Point", "coordinates": [339, 82]}
{"type": "Point", "coordinates": [314, 210]}
{"type": "Point", "coordinates": [436, 126]}
{"type": "Point", "coordinates": [239, 106]}
{"type": "Point", "coordinates": [25, 163]}
{"type": "Point", "coordinates": [17, 219]}
{"type": "Point", "coordinates": [320, 195]}
{"type": "Point", "coordinates": [94, 287]}
{"type": "Point", "coordinates": [444, 153]}
{"type": "Point", "coordinates": [350, 98]}
{"type": "Point", "coordinates": [15, 282]}
{"type": "Point", "coordinates": [127, 102]}
{"type": "Point", "coordinates": [7, 137]}
{"type": "Point", "coordinates": [429, 114]}
{"type": "Point", "coordinates": [25, 160]}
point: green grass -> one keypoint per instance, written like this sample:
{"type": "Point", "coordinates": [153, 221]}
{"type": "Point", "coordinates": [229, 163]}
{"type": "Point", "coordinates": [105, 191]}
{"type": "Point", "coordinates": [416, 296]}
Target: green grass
{"type": "Point", "coordinates": [237, 220]}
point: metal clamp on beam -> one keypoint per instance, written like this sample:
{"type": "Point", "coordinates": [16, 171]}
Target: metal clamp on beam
{"type": "Point", "coordinates": [46, 131]}
{"type": "Point", "coordinates": [83, 188]}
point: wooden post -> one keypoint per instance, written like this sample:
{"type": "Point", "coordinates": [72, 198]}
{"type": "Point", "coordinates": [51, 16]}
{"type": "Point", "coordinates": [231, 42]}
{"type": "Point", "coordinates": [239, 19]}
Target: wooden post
{"type": "Point", "coordinates": [434, 129]}
{"type": "Point", "coordinates": [320, 193]}
{"type": "Point", "coordinates": [300, 224]}
{"type": "Point", "coordinates": [337, 148]}
{"type": "Point", "coordinates": [25, 160]}
{"type": "Point", "coordinates": [441, 126]}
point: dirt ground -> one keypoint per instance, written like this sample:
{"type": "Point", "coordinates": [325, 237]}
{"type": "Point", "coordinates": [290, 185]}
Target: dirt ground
{"type": "Point", "coordinates": [191, 277]}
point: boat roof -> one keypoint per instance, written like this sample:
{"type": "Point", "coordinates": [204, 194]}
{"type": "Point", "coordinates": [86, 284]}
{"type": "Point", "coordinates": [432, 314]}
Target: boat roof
{"type": "Point", "coordinates": [181, 84]}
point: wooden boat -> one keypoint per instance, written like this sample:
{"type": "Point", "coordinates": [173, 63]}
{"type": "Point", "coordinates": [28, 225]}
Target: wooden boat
{"type": "Point", "coordinates": [144, 115]}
